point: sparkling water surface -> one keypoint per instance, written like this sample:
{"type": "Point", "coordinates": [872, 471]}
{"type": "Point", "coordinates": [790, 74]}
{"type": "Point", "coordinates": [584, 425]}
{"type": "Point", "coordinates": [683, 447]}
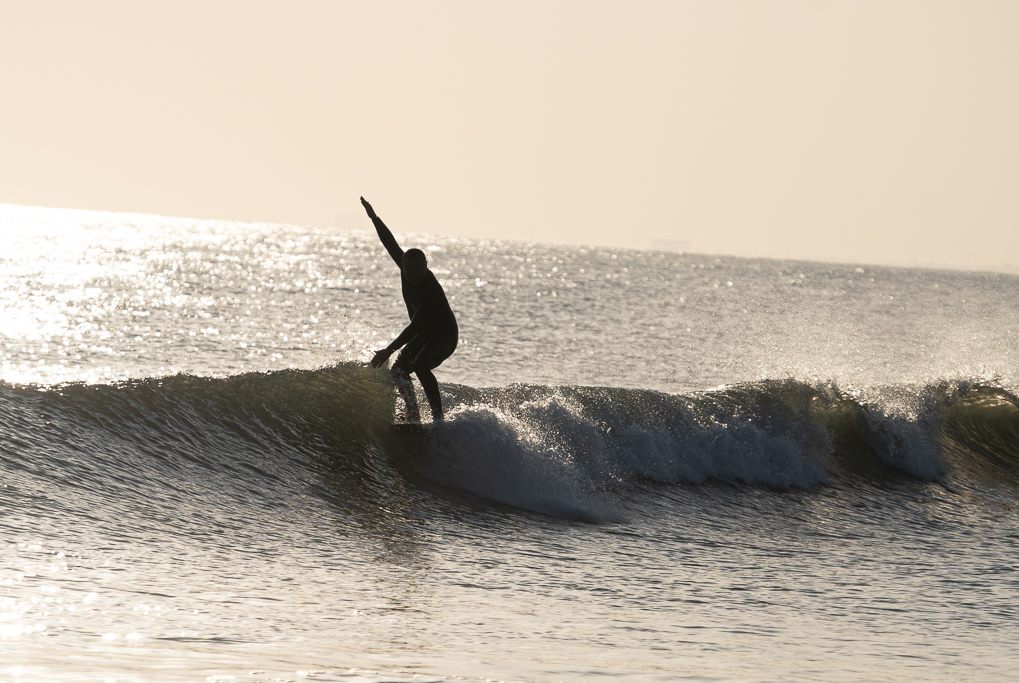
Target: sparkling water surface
{"type": "Point", "coordinates": [213, 522]}
{"type": "Point", "coordinates": [91, 296]}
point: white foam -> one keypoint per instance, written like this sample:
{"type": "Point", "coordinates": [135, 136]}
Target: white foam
{"type": "Point", "coordinates": [904, 423]}
{"type": "Point", "coordinates": [498, 457]}
{"type": "Point", "coordinates": [550, 458]}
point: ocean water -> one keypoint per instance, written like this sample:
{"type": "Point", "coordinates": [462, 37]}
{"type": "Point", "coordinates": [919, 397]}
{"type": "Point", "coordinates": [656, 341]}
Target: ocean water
{"type": "Point", "coordinates": [656, 467]}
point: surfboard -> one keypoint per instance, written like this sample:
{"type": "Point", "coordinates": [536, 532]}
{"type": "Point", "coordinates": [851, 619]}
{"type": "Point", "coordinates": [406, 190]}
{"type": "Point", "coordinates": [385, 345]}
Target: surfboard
{"type": "Point", "coordinates": [412, 428]}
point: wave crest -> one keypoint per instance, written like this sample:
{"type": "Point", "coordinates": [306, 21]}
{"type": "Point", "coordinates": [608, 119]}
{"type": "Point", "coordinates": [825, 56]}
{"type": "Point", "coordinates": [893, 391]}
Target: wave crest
{"type": "Point", "coordinates": [565, 451]}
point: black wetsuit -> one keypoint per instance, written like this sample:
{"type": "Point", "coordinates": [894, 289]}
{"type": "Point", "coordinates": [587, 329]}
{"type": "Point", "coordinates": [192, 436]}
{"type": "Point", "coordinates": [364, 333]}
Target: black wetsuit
{"type": "Point", "coordinates": [430, 338]}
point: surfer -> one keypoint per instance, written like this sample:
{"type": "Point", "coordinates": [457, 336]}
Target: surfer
{"type": "Point", "coordinates": [432, 334]}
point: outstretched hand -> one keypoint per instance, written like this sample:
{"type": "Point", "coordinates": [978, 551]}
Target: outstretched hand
{"type": "Point", "coordinates": [382, 355]}
{"type": "Point", "coordinates": [368, 208]}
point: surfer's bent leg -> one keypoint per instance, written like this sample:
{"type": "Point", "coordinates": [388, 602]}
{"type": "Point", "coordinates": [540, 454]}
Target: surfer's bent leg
{"type": "Point", "coordinates": [431, 356]}
{"type": "Point", "coordinates": [401, 376]}
{"type": "Point", "coordinates": [431, 387]}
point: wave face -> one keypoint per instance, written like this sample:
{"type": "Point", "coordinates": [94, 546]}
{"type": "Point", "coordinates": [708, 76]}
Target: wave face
{"type": "Point", "coordinates": [574, 452]}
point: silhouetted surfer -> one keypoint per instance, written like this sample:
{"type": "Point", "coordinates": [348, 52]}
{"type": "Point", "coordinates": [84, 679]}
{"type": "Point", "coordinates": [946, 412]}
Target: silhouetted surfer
{"type": "Point", "coordinates": [432, 334]}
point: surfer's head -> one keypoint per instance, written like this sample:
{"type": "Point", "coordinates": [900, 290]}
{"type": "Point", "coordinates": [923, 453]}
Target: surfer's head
{"type": "Point", "coordinates": [415, 265]}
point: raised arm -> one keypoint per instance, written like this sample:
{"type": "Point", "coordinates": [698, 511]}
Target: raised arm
{"type": "Point", "coordinates": [388, 241]}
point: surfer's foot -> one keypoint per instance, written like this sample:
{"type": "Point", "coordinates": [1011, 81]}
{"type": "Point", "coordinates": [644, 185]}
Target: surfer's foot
{"type": "Point", "coordinates": [402, 419]}
{"type": "Point", "coordinates": [411, 412]}
{"type": "Point", "coordinates": [408, 418]}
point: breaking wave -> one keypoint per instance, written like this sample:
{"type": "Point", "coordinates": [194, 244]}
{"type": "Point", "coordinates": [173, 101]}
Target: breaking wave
{"type": "Point", "coordinates": [170, 446]}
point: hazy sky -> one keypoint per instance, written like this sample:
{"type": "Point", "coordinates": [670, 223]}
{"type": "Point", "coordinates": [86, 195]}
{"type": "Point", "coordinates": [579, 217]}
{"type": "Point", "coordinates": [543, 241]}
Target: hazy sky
{"type": "Point", "coordinates": [856, 131]}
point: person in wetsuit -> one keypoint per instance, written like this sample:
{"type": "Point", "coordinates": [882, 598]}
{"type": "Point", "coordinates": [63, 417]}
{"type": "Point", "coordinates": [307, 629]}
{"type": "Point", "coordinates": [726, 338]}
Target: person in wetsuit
{"type": "Point", "coordinates": [432, 334]}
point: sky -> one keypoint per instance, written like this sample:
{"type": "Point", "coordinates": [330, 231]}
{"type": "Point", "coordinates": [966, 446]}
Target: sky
{"type": "Point", "coordinates": [857, 131]}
